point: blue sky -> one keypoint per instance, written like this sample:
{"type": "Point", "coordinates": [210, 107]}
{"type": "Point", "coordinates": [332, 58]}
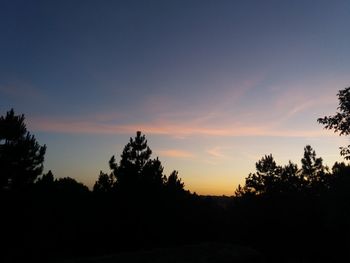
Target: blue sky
{"type": "Point", "coordinates": [214, 85]}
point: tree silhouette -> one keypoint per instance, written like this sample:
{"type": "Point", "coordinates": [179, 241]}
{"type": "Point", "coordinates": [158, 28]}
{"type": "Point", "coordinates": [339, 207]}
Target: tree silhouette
{"type": "Point", "coordinates": [340, 181]}
{"type": "Point", "coordinates": [273, 179]}
{"type": "Point", "coordinates": [290, 182]}
{"type": "Point", "coordinates": [21, 157]}
{"type": "Point", "coordinates": [46, 180]}
{"type": "Point", "coordinates": [105, 183]}
{"type": "Point", "coordinates": [340, 122]}
{"type": "Point", "coordinates": [137, 174]}
{"type": "Point", "coordinates": [313, 172]}
{"type": "Point", "coordinates": [70, 186]}
{"type": "Point", "coordinates": [265, 179]}
{"type": "Point", "coordinates": [174, 183]}
{"type": "Point", "coordinates": [153, 178]}
{"type": "Point", "coordinates": [134, 157]}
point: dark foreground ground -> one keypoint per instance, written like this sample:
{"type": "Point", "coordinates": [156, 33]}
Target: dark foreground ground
{"type": "Point", "coordinates": [202, 253]}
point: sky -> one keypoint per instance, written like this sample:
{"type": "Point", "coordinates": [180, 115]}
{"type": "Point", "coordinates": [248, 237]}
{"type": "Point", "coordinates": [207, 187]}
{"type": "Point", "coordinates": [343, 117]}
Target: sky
{"type": "Point", "coordinates": [214, 85]}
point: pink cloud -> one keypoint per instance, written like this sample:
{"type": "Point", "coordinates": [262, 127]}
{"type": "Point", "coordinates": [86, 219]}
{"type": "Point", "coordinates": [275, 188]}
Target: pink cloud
{"type": "Point", "coordinates": [216, 152]}
{"type": "Point", "coordinates": [176, 153]}
{"type": "Point", "coordinates": [300, 97]}
{"type": "Point", "coordinates": [175, 129]}
{"type": "Point", "coordinates": [20, 90]}
{"type": "Point", "coordinates": [212, 106]}
{"type": "Point", "coordinates": [213, 119]}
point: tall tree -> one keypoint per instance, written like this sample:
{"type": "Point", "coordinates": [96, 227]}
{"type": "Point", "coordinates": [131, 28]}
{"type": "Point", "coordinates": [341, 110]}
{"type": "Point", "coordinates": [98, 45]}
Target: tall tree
{"type": "Point", "coordinates": [266, 177]}
{"type": "Point", "coordinates": [21, 156]}
{"type": "Point", "coordinates": [136, 154]}
{"type": "Point", "coordinates": [340, 122]}
{"type": "Point", "coordinates": [136, 173]}
{"type": "Point", "coordinates": [313, 171]}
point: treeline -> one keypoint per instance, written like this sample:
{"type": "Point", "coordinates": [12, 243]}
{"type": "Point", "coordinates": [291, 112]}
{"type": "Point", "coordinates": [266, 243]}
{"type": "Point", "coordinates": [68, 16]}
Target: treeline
{"type": "Point", "coordinates": [133, 206]}
{"type": "Point", "coordinates": [286, 212]}
{"type": "Point", "coordinates": [300, 213]}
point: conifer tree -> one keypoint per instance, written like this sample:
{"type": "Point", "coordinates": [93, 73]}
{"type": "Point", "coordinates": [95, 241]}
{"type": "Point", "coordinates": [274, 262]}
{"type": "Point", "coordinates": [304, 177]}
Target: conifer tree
{"type": "Point", "coordinates": [21, 156]}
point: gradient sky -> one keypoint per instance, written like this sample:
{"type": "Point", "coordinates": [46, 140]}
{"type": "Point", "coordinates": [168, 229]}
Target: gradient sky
{"type": "Point", "coordinates": [214, 85]}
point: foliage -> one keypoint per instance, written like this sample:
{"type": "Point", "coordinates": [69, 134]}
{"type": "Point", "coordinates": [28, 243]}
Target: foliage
{"type": "Point", "coordinates": [261, 181]}
{"type": "Point", "coordinates": [314, 174]}
{"type": "Point", "coordinates": [67, 185]}
{"type": "Point", "coordinates": [269, 178]}
{"type": "Point", "coordinates": [340, 122]}
{"type": "Point", "coordinates": [137, 173]}
{"type": "Point", "coordinates": [104, 183]}
{"type": "Point", "coordinates": [135, 156]}
{"type": "Point", "coordinates": [21, 157]}
{"type": "Point", "coordinates": [272, 179]}
{"type": "Point", "coordinates": [280, 211]}
{"type": "Point", "coordinates": [174, 183]}
{"type": "Point", "coordinates": [45, 182]}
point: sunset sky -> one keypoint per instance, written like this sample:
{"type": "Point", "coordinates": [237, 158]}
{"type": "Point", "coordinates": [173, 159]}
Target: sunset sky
{"type": "Point", "coordinates": [214, 85]}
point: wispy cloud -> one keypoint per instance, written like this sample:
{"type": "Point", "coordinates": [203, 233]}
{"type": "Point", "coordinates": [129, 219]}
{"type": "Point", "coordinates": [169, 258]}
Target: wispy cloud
{"type": "Point", "coordinates": [175, 153]}
{"type": "Point", "coordinates": [300, 97]}
{"type": "Point", "coordinates": [20, 90]}
{"type": "Point", "coordinates": [175, 129]}
{"type": "Point", "coordinates": [208, 119]}
{"type": "Point", "coordinates": [216, 152]}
